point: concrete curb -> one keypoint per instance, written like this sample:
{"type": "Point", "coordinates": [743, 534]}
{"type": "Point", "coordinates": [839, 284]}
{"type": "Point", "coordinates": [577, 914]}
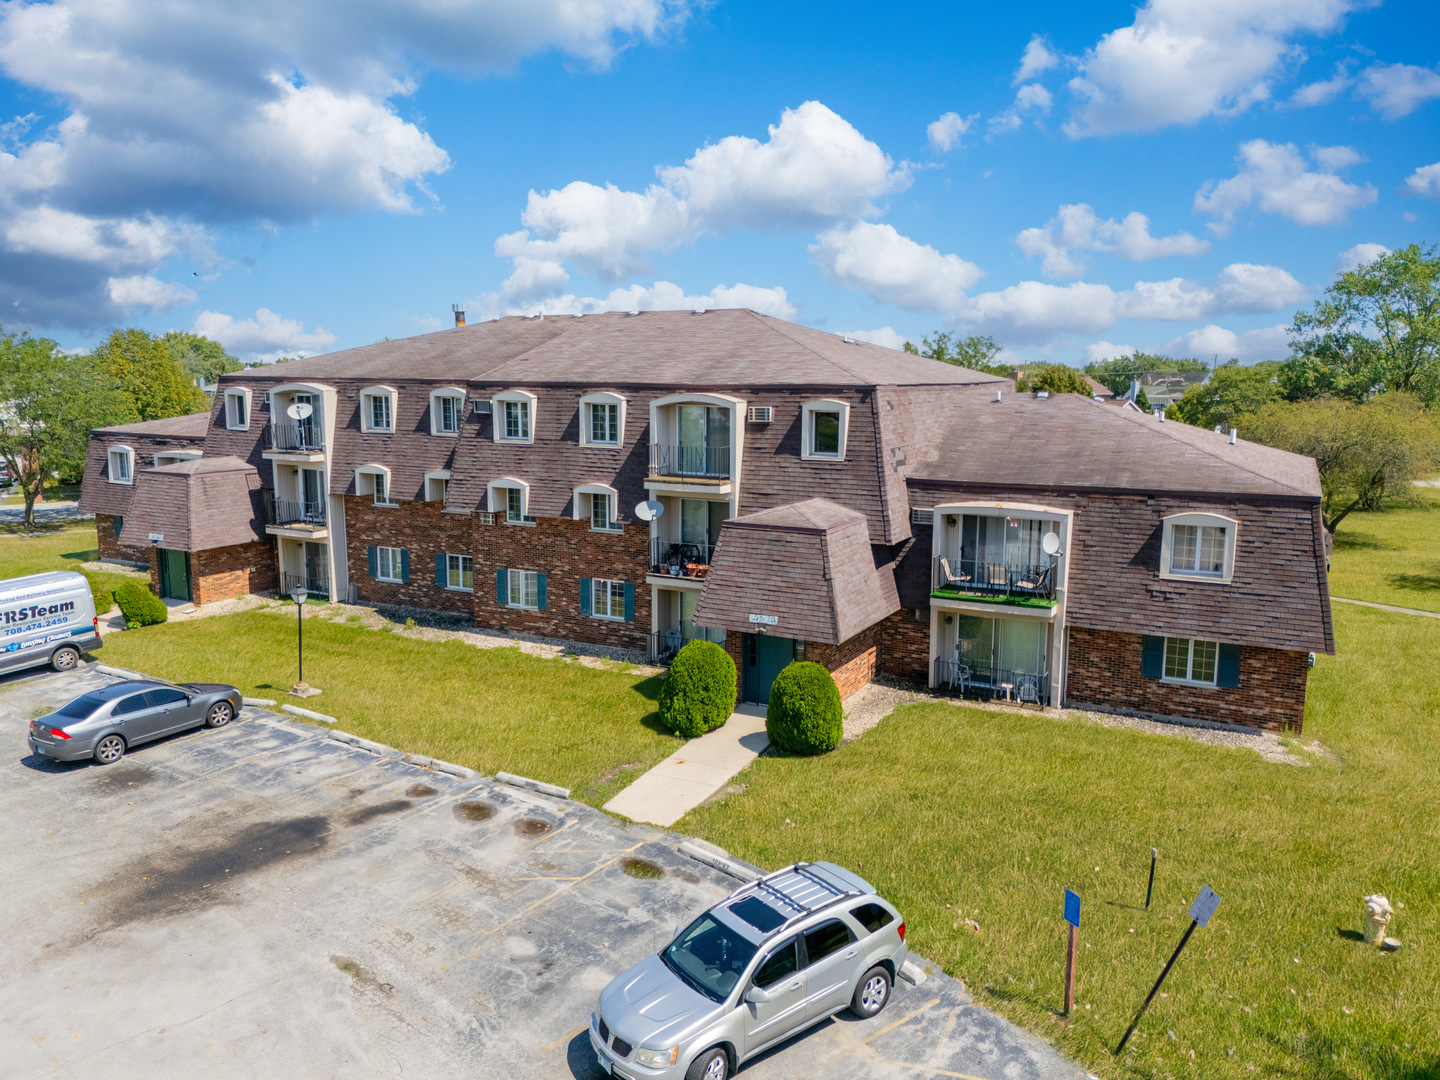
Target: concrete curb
{"type": "Point", "coordinates": [261, 701]}
{"type": "Point", "coordinates": [361, 744]}
{"type": "Point", "coordinates": [121, 673]}
{"type": "Point", "coordinates": [913, 973]}
{"type": "Point", "coordinates": [532, 785]}
{"type": "Point", "coordinates": [721, 862]}
{"type": "Point", "coordinates": [297, 711]}
{"type": "Point", "coordinates": [451, 769]}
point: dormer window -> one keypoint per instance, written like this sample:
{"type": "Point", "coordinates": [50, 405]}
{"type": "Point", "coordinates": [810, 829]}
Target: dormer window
{"type": "Point", "coordinates": [374, 480]}
{"type": "Point", "coordinates": [122, 465]}
{"type": "Point", "coordinates": [824, 429]}
{"type": "Point", "coordinates": [446, 408]}
{"type": "Point", "coordinates": [377, 409]}
{"type": "Point", "coordinates": [1198, 546]}
{"type": "Point", "coordinates": [237, 409]}
{"type": "Point", "coordinates": [602, 420]}
{"type": "Point", "coordinates": [514, 416]}
{"type": "Point", "coordinates": [599, 504]}
{"type": "Point", "coordinates": [511, 497]}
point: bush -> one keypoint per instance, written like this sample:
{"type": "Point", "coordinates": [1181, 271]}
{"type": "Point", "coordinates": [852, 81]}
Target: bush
{"type": "Point", "coordinates": [699, 691]}
{"type": "Point", "coordinates": [139, 605]}
{"type": "Point", "coordinates": [805, 715]}
{"type": "Point", "coordinates": [104, 598]}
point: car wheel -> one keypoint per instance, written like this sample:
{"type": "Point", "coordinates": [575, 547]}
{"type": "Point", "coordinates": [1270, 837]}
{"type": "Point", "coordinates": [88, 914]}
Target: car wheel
{"type": "Point", "coordinates": [109, 750]}
{"type": "Point", "coordinates": [872, 993]}
{"type": "Point", "coordinates": [714, 1064]}
{"type": "Point", "coordinates": [219, 714]}
{"type": "Point", "coordinates": [65, 659]}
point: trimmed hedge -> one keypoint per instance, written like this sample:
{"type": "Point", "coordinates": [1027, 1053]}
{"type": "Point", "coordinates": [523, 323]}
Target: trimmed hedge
{"type": "Point", "coordinates": [139, 605]}
{"type": "Point", "coordinates": [805, 715]}
{"type": "Point", "coordinates": [699, 691]}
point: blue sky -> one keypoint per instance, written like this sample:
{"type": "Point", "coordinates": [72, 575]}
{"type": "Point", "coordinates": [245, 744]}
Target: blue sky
{"type": "Point", "coordinates": [1076, 180]}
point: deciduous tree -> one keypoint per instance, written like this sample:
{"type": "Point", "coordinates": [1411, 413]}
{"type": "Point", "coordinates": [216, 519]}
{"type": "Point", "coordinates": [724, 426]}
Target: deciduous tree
{"type": "Point", "coordinates": [1119, 372]}
{"type": "Point", "coordinates": [1054, 378]}
{"type": "Point", "coordinates": [1232, 391]}
{"type": "Point", "coordinates": [974, 352]}
{"type": "Point", "coordinates": [142, 367]}
{"type": "Point", "coordinates": [199, 357]}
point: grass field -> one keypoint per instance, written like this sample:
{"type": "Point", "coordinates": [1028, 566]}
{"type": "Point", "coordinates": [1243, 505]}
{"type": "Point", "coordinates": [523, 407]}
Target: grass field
{"type": "Point", "coordinates": [489, 709]}
{"type": "Point", "coordinates": [56, 549]}
{"type": "Point", "coordinates": [1392, 557]}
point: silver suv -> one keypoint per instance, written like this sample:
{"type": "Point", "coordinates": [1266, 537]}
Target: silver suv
{"type": "Point", "coordinates": [772, 958]}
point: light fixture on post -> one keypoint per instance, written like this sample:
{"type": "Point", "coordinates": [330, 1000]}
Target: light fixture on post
{"type": "Point", "coordinates": [300, 595]}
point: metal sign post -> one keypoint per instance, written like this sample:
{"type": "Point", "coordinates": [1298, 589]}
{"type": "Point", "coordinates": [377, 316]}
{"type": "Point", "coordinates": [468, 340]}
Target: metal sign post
{"type": "Point", "coordinates": [1072, 916]}
{"type": "Point", "coordinates": [1200, 912]}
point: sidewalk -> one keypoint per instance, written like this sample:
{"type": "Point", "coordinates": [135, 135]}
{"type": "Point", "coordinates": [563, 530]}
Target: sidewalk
{"type": "Point", "coordinates": [696, 771]}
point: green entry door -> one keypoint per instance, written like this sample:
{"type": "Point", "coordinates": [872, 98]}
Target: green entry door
{"type": "Point", "coordinates": [174, 574]}
{"type": "Point", "coordinates": [765, 657]}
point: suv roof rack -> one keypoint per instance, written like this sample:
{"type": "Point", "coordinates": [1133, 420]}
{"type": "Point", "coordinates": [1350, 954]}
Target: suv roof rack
{"type": "Point", "coordinates": [804, 888]}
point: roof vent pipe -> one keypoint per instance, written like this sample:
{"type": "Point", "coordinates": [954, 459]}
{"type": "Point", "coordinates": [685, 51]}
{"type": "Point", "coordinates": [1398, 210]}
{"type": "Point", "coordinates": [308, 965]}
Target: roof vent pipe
{"type": "Point", "coordinates": [1232, 436]}
{"type": "Point", "coordinates": [1160, 415]}
{"type": "Point", "coordinates": [997, 395]}
{"type": "Point", "coordinates": [459, 310]}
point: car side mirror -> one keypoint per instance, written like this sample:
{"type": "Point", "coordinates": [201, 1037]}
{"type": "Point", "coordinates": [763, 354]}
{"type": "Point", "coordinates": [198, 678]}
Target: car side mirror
{"type": "Point", "coordinates": [757, 995]}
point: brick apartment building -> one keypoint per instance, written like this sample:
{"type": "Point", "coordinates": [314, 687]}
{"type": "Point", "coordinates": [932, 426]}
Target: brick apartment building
{"type": "Point", "coordinates": [640, 480]}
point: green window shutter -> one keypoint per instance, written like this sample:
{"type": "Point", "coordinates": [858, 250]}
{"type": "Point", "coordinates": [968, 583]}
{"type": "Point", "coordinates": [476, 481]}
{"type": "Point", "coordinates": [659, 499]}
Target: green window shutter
{"type": "Point", "coordinates": [440, 569]}
{"type": "Point", "coordinates": [404, 566]}
{"type": "Point", "coordinates": [501, 587]}
{"type": "Point", "coordinates": [585, 607]}
{"type": "Point", "coordinates": [1227, 672]}
{"type": "Point", "coordinates": [629, 601]}
{"type": "Point", "coordinates": [371, 562]}
{"type": "Point", "coordinates": [540, 580]}
{"type": "Point", "coordinates": [1152, 656]}
{"type": "Point", "coordinates": [119, 524]}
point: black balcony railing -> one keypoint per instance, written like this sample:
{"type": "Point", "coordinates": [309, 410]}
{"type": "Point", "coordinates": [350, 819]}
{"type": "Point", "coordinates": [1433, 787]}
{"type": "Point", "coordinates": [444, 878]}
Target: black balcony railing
{"type": "Point", "coordinates": [679, 560]}
{"type": "Point", "coordinates": [302, 438]}
{"type": "Point", "coordinates": [975, 577]}
{"type": "Point", "coordinates": [707, 462]}
{"type": "Point", "coordinates": [288, 512]}
{"type": "Point", "coordinates": [316, 582]}
{"type": "Point", "coordinates": [662, 645]}
{"type": "Point", "coordinates": [980, 679]}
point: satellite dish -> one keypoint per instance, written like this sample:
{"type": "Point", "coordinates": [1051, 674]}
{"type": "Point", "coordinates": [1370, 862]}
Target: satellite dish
{"type": "Point", "coordinates": [301, 410]}
{"type": "Point", "coordinates": [1050, 543]}
{"type": "Point", "coordinates": [649, 510]}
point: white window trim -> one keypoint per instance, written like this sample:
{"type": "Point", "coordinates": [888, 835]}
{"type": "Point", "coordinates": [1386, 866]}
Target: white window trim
{"type": "Point", "coordinates": [497, 501]}
{"type": "Point", "coordinates": [580, 506]}
{"type": "Point", "coordinates": [373, 471]}
{"type": "Point", "coordinates": [807, 428]}
{"type": "Point", "coordinates": [1190, 663]}
{"type": "Point", "coordinates": [435, 396]}
{"type": "Point", "coordinates": [607, 618]}
{"type": "Point", "coordinates": [509, 582]}
{"type": "Point", "coordinates": [373, 392]}
{"type": "Point", "coordinates": [438, 474]}
{"type": "Point", "coordinates": [111, 454]}
{"type": "Point", "coordinates": [243, 395]}
{"type": "Point", "coordinates": [175, 456]}
{"type": "Point", "coordinates": [395, 562]}
{"type": "Point", "coordinates": [1232, 530]}
{"type": "Point", "coordinates": [585, 425]}
{"type": "Point", "coordinates": [497, 415]}
{"type": "Point", "coordinates": [459, 588]}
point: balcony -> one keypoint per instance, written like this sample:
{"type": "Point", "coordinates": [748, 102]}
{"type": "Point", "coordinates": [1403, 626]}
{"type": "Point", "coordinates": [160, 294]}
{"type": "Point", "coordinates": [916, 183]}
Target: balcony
{"type": "Point", "coordinates": [315, 581]}
{"type": "Point", "coordinates": [303, 441]}
{"type": "Point", "coordinates": [662, 645]}
{"type": "Point", "coordinates": [301, 520]}
{"type": "Point", "coordinates": [1025, 585]}
{"type": "Point", "coordinates": [696, 463]}
{"type": "Point", "coordinates": [679, 560]}
{"type": "Point", "coordinates": [978, 679]}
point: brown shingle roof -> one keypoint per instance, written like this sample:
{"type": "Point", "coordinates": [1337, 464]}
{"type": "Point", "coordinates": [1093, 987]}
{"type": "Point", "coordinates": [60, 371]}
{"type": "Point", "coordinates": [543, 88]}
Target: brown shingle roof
{"type": "Point", "coordinates": [726, 347]}
{"type": "Point", "coordinates": [1068, 440]}
{"type": "Point", "coordinates": [192, 426]}
{"type": "Point", "coordinates": [809, 564]}
{"type": "Point", "coordinates": [210, 502]}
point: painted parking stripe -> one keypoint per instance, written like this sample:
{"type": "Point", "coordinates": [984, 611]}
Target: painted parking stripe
{"type": "Point", "coordinates": [904, 1019]}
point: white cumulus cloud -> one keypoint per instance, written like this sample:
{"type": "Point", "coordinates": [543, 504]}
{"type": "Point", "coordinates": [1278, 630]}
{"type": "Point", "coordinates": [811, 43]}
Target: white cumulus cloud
{"type": "Point", "coordinates": [946, 132]}
{"type": "Point", "coordinates": [1077, 228]}
{"type": "Point", "coordinates": [267, 336]}
{"type": "Point", "coordinates": [1097, 352]}
{"type": "Point", "coordinates": [1183, 60]}
{"type": "Point", "coordinates": [1396, 90]}
{"type": "Point", "coordinates": [1275, 178]}
{"type": "Point", "coordinates": [885, 336]}
{"type": "Point", "coordinates": [144, 290]}
{"type": "Point", "coordinates": [1424, 181]}
{"type": "Point", "coordinates": [659, 296]}
{"type": "Point", "coordinates": [1358, 255]}
{"type": "Point", "coordinates": [875, 258]}
{"type": "Point", "coordinates": [1037, 59]}
{"type": "Point", "coordinates": [1267, 343]}
{"type": "Point", "coordinates": [1032, 97]}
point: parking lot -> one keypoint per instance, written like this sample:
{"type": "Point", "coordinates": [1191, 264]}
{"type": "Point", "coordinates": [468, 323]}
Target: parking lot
{"type": "Point", "coordinates": [263, 900]}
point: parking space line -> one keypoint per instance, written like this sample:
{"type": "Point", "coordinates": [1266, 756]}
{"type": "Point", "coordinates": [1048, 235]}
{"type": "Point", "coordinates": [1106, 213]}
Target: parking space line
{"type": "Point", "coordinates": [228, 768]}
{"type": "Point", "coordinates": [563, 1039]}
{"type": "Point", "coordinates": [330, 780]}
{"type": "Point", "coordinates": [904, 1019]}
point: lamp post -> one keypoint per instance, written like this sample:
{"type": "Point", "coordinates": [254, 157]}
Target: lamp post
{"type": "Point", "coordinates": [300, 596]}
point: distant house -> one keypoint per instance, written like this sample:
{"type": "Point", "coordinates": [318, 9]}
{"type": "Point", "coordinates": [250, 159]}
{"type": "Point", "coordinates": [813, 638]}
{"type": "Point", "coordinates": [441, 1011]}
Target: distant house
{"type": "Point", "coordinates": [638, 481]}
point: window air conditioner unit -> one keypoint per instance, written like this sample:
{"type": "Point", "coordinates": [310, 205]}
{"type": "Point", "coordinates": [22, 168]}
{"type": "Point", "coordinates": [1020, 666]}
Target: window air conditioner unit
{"type": "Point", "coordinates": [483, 408]}
{"type": "Point", "coordinates": [759, 414]}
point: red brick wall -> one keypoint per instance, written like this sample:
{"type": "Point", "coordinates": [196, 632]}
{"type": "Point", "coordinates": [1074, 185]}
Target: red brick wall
{"type": "Point", "coordinates": [228, 572]}
{"type": "Point", "coordinates": [110, 548]}
{"type": "Point", "coordinates": [735, 646]}
{"type": "Point", "coordinates": [905, 646]}
{"type": "Point", "coordinates": [852, 662]}
{"type": "Point", "coordinates": [1104, 670]}
{"type": "Point", "coordinates": [421, 528]}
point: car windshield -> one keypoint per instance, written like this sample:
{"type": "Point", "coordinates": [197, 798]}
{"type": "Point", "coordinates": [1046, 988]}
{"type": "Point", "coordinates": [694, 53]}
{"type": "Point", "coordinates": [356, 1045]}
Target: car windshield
{"type": "Point", "coordinates": [709, 956]}
{"type": "Point", "coordinates": [82, 706]}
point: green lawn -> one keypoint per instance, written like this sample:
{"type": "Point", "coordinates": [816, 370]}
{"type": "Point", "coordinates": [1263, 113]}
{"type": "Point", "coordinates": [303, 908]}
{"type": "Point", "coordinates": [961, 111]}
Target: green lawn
{"type": "Point", "coordinates": [489, 709]}
{"type": "Point", "coordinates": [56, 549]}
{"type": "Point", "coordinates": [1391, 557]}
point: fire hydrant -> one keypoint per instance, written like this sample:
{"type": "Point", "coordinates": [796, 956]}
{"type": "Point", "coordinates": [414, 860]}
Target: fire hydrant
{"type": "Point", "coordinates": [1378, 913]}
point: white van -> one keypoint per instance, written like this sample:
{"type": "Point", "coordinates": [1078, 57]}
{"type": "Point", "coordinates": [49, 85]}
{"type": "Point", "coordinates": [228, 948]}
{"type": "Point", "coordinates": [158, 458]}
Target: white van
{"type": "Point", "coordinates": [47, 619]}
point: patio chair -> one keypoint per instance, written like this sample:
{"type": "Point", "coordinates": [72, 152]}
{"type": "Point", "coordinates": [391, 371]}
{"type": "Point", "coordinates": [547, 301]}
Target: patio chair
{"type": "Point", "coordinates": [959, 675]}
{"type": "Point", "coordinates": [1027, 688]}
{"type": "Point", "coordinates": [999, 575]}
{"type": "Point", "coordinates": [673, 640]}
{"type": "Point", "coordinates": [1034, 582]}
{"type": "Point", "coordinates": [951, 577]}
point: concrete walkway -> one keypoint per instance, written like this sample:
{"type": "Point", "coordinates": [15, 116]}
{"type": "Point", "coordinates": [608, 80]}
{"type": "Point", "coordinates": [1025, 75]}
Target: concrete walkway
{"type": "Point", "coordinates": [696, 771]}
{"type": "Point", "coordinates": [1388, 607]}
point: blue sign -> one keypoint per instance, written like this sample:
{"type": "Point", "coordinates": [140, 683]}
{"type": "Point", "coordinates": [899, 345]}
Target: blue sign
{"type": "Point", "coordinates": [1072, 908]}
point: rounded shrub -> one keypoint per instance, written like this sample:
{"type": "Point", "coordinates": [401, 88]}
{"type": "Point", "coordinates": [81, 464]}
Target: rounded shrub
{"type": "Point", "coordinates": [139, 605]}
{"type": "Point", "coordinates": [699, 691]}
{"type": "Point", "coordinates": [804, 715]}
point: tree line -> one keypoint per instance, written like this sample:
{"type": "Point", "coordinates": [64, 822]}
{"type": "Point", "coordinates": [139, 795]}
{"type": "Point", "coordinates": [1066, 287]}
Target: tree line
{"type": "Point", "coordinates": [1359, 393]}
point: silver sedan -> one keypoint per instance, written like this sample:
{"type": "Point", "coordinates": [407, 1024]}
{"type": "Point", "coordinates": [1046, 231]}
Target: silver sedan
{"type": "Point", "coordinates": [105, 723]}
